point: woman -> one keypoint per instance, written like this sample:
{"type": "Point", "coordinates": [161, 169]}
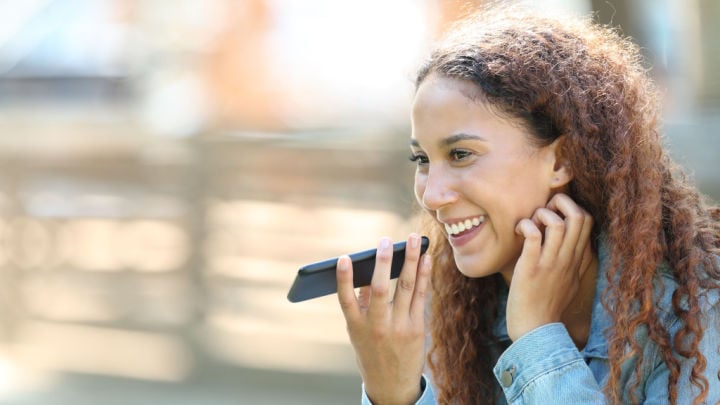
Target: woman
{"type": "Point", "coordinates": [571, 261]}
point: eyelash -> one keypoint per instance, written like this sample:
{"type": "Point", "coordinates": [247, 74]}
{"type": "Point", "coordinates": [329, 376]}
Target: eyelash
{"type": "Point", "coordinates": [418, 159]}
{"type": "Point", "coordinates": [455, 155]}
{"type": "Point", "coordinates": [463, 154]}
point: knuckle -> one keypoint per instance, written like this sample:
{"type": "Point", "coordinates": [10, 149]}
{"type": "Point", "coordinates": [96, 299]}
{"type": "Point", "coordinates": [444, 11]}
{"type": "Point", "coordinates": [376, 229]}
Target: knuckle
{"type": "Point", "coordinates": [533, 234]}
{"type": "Point", "coordinates": [379, 331]}
{"type": "Point", "coordinates": [557, 225]}
{"type": "Point", "coordinates": [527, 221]}
{"type": "Point", "coordinates": [346, 304]}
{"type": "Point", "coordinates": [379, 290]}
{"type": "Point", "coordinates": [576, 215]}
{"type": "Point", "coordinates": [406, 284]}
{"type": "Point", "coordinates": [562, 197]}
{"type": "Point", "coordinates": [536, 215]}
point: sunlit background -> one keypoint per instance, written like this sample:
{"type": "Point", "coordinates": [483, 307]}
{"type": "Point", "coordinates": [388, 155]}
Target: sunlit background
{"type": "Point", "coordinates": [166, 166]}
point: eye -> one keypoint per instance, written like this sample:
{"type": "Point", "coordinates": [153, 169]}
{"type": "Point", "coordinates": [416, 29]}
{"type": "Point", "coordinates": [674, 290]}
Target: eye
{"type": "Point", "coordinates": [419, 158]}
{"type": "Point", "coordinates": [459, 154]}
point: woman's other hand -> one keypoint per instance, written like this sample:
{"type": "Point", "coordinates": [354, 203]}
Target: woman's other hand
{"type": "Point", "coordinates": [388, 332]}
{"type": "Point", "coordinates": [547, 275]}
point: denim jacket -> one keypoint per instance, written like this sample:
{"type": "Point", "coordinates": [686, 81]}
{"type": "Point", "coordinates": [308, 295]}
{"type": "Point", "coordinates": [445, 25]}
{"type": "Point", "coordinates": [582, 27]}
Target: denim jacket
{"type": "Point", "coordinates": [545, 367]}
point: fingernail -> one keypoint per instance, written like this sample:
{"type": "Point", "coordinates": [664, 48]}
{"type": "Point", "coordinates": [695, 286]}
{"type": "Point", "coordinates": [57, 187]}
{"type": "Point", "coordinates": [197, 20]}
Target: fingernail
{"type": "Point", "coordinates": [342, 263]}
{"type": "Point", "coordinates": [384, 244]}
{"type": "Point", "coordinates": [414, 241]}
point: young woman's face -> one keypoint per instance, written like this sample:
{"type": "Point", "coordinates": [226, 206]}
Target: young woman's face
{"type": "Point", "coordinates": [477, 174]}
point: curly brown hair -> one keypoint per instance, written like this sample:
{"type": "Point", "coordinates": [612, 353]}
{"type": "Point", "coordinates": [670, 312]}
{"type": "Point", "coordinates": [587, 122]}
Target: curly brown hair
{"type": "Point", "coordinates": [573, 78]}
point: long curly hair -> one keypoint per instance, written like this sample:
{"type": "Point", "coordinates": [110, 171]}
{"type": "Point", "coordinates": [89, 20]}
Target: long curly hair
{"type": "Point", "coordinates": [573, 78]}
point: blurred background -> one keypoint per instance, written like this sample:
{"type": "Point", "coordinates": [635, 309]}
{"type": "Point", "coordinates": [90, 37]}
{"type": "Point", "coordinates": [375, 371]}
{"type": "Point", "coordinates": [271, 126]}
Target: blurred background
{"type": "Point", "coordinates": [166, 166]}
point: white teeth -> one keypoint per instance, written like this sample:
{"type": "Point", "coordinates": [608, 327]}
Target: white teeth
{"type": "Point", "coordinates": [462, 226]}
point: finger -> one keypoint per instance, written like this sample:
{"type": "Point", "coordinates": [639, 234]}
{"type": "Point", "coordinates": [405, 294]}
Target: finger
{"type": "Point", "coordinates": [532, 244]}
{"type": "Point", "coordinates": [585, 260]}
{"type": "Point", "coordinates": [380, 283]}
{"type": "Point", "coordinates": [554, 234]}
{"type": "Point", "coordinates": [575, 221]}
{"type": "Point", "coordinates": [583, 245]}
{"type": "Point", "coordinates": [364, 297]}
{"type": "Point", "coordinates": [417, 307]}
{"type": "Point", "coordinates": [406, 282]}
{"type": "Point", "coordinates": [346, 291]}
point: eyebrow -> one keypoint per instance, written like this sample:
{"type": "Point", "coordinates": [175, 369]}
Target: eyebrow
{"type": "Point", "coordinates": [452, 139]}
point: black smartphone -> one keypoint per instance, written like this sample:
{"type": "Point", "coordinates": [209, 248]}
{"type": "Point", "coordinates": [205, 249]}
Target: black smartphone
{"type": "Point", "coordinates": [318, 279]}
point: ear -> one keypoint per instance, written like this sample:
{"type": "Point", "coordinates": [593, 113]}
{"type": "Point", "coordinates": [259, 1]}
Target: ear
{"type": "Point", "coordinates": [561, 170]}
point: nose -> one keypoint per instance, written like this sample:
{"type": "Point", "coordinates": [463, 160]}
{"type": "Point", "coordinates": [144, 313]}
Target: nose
{"type": "Point", "coordinates": [436, 189]}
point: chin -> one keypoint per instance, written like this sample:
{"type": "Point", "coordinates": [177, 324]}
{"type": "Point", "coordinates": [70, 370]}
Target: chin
{"type": "Point", "coordinates": [471, 267]}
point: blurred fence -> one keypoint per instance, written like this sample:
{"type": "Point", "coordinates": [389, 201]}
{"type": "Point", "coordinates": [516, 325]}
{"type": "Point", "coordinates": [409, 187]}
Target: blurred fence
{"type": "Point", "coordinates": [162, 261]}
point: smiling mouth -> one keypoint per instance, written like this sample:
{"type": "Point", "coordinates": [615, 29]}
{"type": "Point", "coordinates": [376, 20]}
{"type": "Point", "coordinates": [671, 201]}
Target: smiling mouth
{"type": "Point", "coordinates": [463, 227]}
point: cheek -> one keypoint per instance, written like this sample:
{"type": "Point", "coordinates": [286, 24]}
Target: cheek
{"type": "Point", "coordinates": [528, 186]}
{"type": "Point", "coordinates": [420, 183]}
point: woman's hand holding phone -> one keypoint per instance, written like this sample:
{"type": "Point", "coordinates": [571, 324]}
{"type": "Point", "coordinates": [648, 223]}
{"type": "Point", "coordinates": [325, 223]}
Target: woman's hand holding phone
{"type": "Point", "coordinates": [388, 332]}
{"type": "Point", "coordinates": [547, 275]}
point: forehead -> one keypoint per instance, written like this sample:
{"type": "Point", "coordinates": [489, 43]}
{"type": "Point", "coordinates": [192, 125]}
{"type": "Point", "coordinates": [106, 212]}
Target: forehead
{"type": "Point", "coordinates": [441, 103]}
{"type": "Point", "coordinates": [445, 107]}
{"type": "Point", "coordinates": [438, 90]}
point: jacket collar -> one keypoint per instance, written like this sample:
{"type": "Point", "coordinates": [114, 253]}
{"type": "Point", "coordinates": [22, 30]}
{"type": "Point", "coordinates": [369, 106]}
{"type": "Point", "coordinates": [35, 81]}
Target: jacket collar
{"type": "Point", "coordinates": [597, 345]}
{"type": "Point", "coordinates": [601, 321]}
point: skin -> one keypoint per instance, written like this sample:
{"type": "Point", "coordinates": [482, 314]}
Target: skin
{"type": "Point", "coordinates": [471, 162]}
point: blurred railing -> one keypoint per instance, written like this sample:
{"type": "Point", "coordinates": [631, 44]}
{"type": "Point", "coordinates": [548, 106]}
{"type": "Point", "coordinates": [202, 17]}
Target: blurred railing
{"type": "Point", "coordinates": [133, 257]}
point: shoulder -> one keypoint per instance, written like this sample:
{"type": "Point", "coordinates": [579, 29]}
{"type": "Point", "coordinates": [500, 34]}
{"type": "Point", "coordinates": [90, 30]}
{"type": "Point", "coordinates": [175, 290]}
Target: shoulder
{"type": "Point", "coordinates": [666, 284]}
